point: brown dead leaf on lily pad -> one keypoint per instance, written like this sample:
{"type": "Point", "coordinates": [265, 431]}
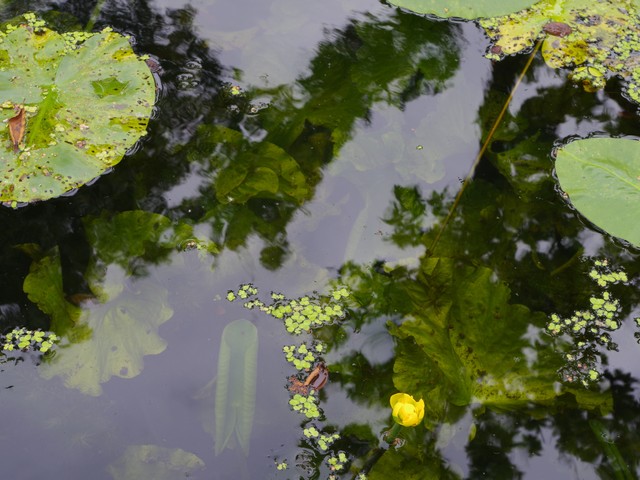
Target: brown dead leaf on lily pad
{"type": "Point", "coordinates": [17, 126]}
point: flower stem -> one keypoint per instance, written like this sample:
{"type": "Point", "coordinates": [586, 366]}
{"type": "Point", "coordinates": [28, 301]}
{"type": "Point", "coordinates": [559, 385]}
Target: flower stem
{"type": "Point", "coordinates": [392, 434]}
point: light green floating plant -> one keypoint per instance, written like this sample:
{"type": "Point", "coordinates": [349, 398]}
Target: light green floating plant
{"type": "Point", "coordinates": [599, 176]}
{"type": "Point", "coordinates": [299, 315]}
{"type": "Point", "coordinates": [590, 328]}
{"type": "Point", "coordinates": [235, 398]}
{"type": "Point", "coordinates": [28, 340]}
{"type": "Point", "coordinates": [304, 355]}
{"type": "Point", "coordinates": [306, 405]}
{"type": "Point", "coordinates": [337, 462]}
{"type": "Point", "coordinates": [595, 40]}
{"type": "Point", "coordinates": [461, 9]}
{"type": "Point", "coordinates": [86, 98]}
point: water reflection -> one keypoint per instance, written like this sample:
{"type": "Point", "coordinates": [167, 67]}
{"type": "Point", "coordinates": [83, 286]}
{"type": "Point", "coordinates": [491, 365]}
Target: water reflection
{"type": "Point", "coordinates": [330, 173]}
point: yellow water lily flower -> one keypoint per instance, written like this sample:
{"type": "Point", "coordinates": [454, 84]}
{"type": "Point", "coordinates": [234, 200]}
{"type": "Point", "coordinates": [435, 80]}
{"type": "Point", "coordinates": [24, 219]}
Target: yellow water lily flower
{"type": "Point", "coordinates": [405, 410]}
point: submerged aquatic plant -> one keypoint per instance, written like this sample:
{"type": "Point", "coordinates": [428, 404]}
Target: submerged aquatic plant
{"type": "Point", "coordinates": [300, 316]}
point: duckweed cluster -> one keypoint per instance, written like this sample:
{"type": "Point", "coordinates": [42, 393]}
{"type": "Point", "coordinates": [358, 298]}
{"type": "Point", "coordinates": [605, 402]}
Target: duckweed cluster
{"type": "Point", "coordinates": [337, 462]}
{"type": "Point", "coordinates": [306, 405]}
{"type": "Point", "coordinates": [303, 356]}
{"type": "Point", "coordinates": [32, 22]}
{"type": "Point", "coordinates": [590, 329]}
{"type": "Point", "coordinates": [38, 25]}
{"type": "Point", "coordinates": [73, 40]}
{"type": "Point", "coordinates": [28, 340]}
{"type": "Point", "coordinates": [301, 316]}
{"type": "Point", "coordinates": [324, 441]}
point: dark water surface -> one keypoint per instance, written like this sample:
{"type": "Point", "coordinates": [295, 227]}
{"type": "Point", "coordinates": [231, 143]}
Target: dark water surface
{"type": "Point", "coordinates": [382, 114]}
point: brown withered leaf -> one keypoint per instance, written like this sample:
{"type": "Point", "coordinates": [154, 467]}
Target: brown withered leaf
{"type": "Point", "coordinates": [17, 126]}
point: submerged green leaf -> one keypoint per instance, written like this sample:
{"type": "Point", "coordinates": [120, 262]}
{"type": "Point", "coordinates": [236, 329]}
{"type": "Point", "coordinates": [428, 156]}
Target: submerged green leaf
{"type": "Point", "coordinates": [602, 178]}
{"type": "Point", "coordinates": [43, 286]}
{"type": "Point", "coordinates": [123, 330]}
{"type": "Point", "coordinates": [152, 461]}
{"type": "Point", "coordinates": [235, 396]}
{"type": "Point", "coordinates": [88, 99]}
{"type": "Point", "coordinates": [471, 346]}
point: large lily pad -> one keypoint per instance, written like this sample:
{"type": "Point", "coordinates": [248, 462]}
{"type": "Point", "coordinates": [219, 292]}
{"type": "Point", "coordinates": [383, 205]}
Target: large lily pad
{"type": "Point", "coordinates": [87, 99]}
{"type": "Point", "coordinates": [596, 40]}
{"type": "Point", "coordinates": [602, 178]}
{"type": "Point", "coordinates": [461, 8]}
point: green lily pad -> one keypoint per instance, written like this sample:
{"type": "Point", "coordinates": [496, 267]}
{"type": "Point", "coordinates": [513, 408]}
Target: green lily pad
{"type": "Point", "coordinates": [87, 99]}
{"type": "Point", "coordinates": [595, 40]}
{"type": "Point", "coordinates": [461, 8]}
{"type": "Point", "coordinates": [601, 176]}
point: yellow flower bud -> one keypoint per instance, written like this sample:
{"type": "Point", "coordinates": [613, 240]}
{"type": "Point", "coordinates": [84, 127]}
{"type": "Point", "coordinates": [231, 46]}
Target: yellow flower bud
{"type": "Point", "coordinates": [405, 410]}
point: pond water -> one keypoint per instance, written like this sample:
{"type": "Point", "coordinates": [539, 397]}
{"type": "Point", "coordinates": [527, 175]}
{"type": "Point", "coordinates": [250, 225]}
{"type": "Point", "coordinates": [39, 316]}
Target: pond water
{"type": "Point", "coordinates": [304, 147]}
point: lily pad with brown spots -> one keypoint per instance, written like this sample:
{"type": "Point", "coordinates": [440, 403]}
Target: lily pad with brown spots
{"type": "Point", "coordinates": [87, 99]}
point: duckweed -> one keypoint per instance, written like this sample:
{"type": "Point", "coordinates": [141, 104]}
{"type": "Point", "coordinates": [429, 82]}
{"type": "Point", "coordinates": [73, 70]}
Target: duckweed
{"type": "Point", "coordinates": [25, 340]}
{"type": "Point", "coordinates": [337, 462]}
{"type": "Point", "coordinates": [299, 315]}
{"type": "Point", "coordinates": [590, 329]}
{"type": "Point", "coordinates": [302, 357]}
{"type": "Point", "coordinates": [306, 405]}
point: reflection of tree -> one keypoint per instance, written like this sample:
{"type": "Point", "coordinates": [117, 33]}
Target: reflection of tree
{"type": "Point", "coordinates": [60, 221]}
{"type": "Point", "coordinates": [502, 221]}
{"type": "Point", "coordinates": [498, 437]}
{"type": "Point", "coordinates": [612, 442]}
{"type": "Point", "coordinates": [359, 378]}
{"type": "Point", "coordinates": [370, 61]}
{"type": "Point", "coordinates": [504, 224]}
